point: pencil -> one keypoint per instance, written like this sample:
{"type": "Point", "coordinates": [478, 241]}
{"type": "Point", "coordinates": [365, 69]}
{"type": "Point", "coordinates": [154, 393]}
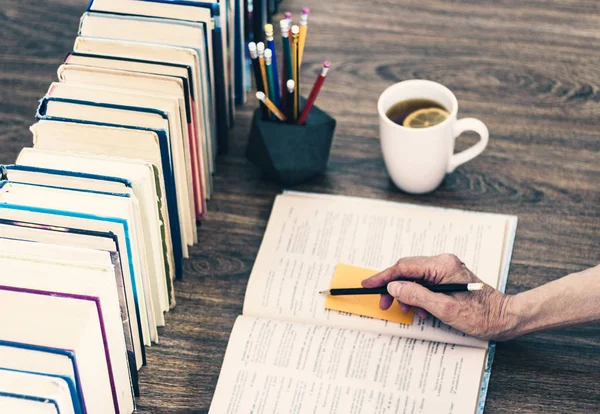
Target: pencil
{"type": "Point", "coordinates": [288, 17]}
{"type": "Point", "coordinates": [295, 70]}
{"type": "Point", "coordinates": [271, 47]}
{"type": "Point", "coordinates": [287, 61]}
{"type": "Point", "coordinates": [289, 109]}
{"type": "Point", "coordinates": [263, 98]}
{"type": "Point", "coordinates": [303, 32]}
{"type": "Point", "coordinates": [314, 93]}
{"type": "Point", "coordinates": [443, 288]}
{"type": "Point", "coordinates": [257, 76]}
{"type": "Point", "coordinates": [260, 48]}
{"type": "Point", "coordinates": [269, 69]}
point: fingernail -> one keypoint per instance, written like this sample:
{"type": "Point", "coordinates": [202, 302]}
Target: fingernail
{"type": "Point", "coordinates": [394, 288]}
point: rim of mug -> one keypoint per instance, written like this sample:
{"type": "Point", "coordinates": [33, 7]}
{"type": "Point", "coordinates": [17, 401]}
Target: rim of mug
{"type": "Point", "coordinates": [418, 130]}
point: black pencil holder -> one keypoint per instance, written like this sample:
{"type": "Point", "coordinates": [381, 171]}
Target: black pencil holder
{"type": "Point", "coordinates": [289, 153]}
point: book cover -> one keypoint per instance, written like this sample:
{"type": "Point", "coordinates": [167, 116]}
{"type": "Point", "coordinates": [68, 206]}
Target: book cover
{"type": "Point", "coordinates": [70, 384]}
{"type": "Point", "coordinates": [69, 354]}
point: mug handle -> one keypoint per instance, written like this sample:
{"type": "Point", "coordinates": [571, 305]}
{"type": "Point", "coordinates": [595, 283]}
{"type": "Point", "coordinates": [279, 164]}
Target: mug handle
{"type": "Point", "coordinates": [468, 124]}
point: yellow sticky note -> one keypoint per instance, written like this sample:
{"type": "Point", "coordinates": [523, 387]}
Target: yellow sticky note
{"type": "Point", "coordinates": [348, 276]}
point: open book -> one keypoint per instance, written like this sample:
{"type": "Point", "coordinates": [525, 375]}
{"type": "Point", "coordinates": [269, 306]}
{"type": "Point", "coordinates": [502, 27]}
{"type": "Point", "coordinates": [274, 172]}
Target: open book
{"type": "Point", "coordinates": [287, 353]}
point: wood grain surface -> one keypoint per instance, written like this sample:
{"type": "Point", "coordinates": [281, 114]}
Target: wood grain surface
{"type": "Point", "coordinates": [529, 70]}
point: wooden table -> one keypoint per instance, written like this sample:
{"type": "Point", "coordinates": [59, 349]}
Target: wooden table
{"type": "Point", "coordinates": [529, 70]}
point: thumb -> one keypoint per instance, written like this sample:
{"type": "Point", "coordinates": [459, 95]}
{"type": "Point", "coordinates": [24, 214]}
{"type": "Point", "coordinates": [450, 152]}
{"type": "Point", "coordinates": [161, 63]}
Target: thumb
{"type": "Point", "coordinates": [438, 304]}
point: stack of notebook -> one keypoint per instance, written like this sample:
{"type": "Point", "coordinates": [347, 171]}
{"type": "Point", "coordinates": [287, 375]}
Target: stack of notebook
{"type": "Point", "coordinates": [97, 217]}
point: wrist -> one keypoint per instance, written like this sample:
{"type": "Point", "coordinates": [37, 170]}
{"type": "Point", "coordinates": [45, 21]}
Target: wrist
{"type": "Point", "coordinates": [513, 311]}
{"type": "Point", "coordinates": [520, 315]}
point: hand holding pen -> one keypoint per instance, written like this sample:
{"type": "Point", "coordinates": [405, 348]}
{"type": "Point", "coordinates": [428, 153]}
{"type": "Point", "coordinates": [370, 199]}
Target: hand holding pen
{"type": "Point", "coordinates": [482, 313]}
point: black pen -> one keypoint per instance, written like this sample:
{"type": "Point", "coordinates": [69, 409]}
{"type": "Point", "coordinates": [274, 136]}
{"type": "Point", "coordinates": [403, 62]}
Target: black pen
{"type": "Point", "coordinates": [442, 288]}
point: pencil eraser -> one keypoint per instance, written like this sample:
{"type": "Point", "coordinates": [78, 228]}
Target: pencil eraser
{"type": "Point", "coordinates": [295, 29]}
{"type": "Point", "coordinates": [305, 10]}
{"type": "Point", "coordinates": [288, 15]}
{"type": "Point", "coordinates": [260, 46]}
{"type": "Point", "coordinates": [327, 64]}
{"type": "Point", "coordinates": [268, 28]}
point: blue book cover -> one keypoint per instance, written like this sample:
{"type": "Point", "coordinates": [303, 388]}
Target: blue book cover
{"type": "Point", "coordinates": [65, 173]}
{"type": "Point", "coordinates": [43, 106]}
{"type": "Point", "coordinates": [69, 381]}
{"type": "Point", "coordinates": [73, 377]}
{"type": "Point", "coordinates": [169, 177]}
{"type": "Point", "coordinates": [33, 398]}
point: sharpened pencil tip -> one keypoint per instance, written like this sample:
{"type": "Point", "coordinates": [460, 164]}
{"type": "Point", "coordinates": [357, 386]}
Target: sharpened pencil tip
{"type": "Point", "coordinates": [324, 292]}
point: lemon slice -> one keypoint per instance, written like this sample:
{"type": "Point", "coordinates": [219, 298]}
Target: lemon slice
{"type": "Point", "coordinates": [426, 117]}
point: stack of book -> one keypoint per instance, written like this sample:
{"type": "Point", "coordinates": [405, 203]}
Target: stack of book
{"type": "Point", "coordinates": [97, 217]}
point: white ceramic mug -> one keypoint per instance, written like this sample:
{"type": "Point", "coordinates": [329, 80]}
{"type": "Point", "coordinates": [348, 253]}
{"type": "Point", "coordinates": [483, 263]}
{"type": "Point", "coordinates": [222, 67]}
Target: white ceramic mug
{"type": "Point", "coordinates": [417, 159]}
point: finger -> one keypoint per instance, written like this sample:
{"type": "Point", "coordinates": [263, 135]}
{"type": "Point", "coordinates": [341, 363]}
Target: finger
{"type": "Point", "coordinates": [416, 267]}
{"type": "Point", "coordinates": [385, 302]}
{"type": "Point", "coordinates": [441, 306]}
{"type": "Point", "coordinates": [421, 313]}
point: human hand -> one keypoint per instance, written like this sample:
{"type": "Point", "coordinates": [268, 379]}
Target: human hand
{"type": "Point", "coordinates": [483, 314]}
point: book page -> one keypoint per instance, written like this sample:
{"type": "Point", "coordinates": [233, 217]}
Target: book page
{"type": "Point", "coordinates": [284, 367]}
{"type": "Point", "coordinates": [308, 235]}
